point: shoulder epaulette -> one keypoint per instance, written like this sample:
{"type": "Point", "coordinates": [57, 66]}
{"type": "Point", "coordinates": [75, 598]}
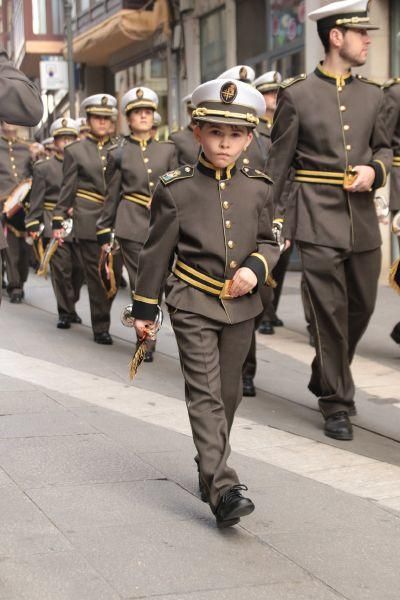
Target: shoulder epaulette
{"type": "Point", "coordinates": [165, 142]}
{"type": "Point", "coordinates": [256, 173]}
{"type": "Point", "coordinates": [391, 82]}
{"type": "Point", "coordinates": [113, 147]}
{"type": "Point", "coordinates": [365, 80]}
{"type": "Point", "coordinates": [74, 143]}
{"type": "Point", "coordinates": [181, 173]}
{"type": "Point", "coordinates": [291, 80]}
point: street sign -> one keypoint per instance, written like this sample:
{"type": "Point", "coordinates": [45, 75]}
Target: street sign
{"type": "Point", "coordinates": [53, 74]}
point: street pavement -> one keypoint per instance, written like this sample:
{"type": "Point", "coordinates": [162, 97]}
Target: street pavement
{"type": "Point", "coordinates": [98, 487]}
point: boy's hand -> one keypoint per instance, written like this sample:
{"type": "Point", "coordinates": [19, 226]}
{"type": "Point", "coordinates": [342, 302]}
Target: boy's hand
{"type": "Point", "coordinates": [142, 327]}
{"type": "Point", "coordinates": [243, 281]}
{"type": "Point", "coordinates": [364, 180]}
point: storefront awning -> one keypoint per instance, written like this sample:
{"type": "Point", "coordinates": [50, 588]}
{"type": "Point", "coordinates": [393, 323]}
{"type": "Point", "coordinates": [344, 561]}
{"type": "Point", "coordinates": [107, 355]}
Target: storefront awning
{"type": "Point", "coordinates": [96, 46]}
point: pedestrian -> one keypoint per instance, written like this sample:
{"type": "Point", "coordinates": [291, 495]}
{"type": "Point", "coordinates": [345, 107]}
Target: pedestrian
{"type": "Point", "coordinates": [216, 219]}
{"type": "Point", "coordinates": [392, 95]}
{"type": "Point", "coordinates": [340, 154]}
{"type": "Point", "coordinates": [132, 173]}
{"type": "Point", "coordinates": [66, 267]}
{"type": "Point", "coordinates": [83, 191]}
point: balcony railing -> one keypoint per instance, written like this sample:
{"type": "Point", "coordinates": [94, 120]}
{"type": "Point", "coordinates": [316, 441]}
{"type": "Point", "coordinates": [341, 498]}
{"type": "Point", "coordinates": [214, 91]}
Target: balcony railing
{"type": "Point", "coordinates": [99, 11]}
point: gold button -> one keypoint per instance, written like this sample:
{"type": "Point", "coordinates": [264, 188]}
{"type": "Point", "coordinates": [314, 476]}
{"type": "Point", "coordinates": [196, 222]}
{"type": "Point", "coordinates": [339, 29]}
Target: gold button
{"type": "Point", "coordinates": [100, 147]}
{"type": "Point", "coordinates": [230, 244]}
{"type": "Point", "coordinates": [103, 158]}
{"type": "Point", "coordinates": [228, 224]}
{"type": "Point", "coordinates": [348, 147]}
{"type": "Point", "coordinates": [246, 161]}
{"type": "Point", "coordinates": [13, 166]}
{"type": "Point", "coordinates": [151, 184]}
{"type": "Point", "coordinates": [342, 108]}
{"type": "Point", "coordinates": [15, 174]}
{"type": "Point", "coordinates": [12, 159]}
{"type": "Point", "coordinates": [146, 160]}
{"type": "Point", "coordinates": [222, 185]}
{"type": "Point", "coordinates": [340, 88]}
{"type": "Point", "coordinates": [225, 205]}
{"type": "Point", "coordinates": [245, 169]}
{"type": "Point", "coordinates": [233, 264]}
{"type": "Point", "coordinates": [187, 169]}
{"type": "Point", "coordinates": [149, 170]}
{"type": "Point", "coordinates": [104, 168]}
{"type": "Point", "coordinates": [346, 127]}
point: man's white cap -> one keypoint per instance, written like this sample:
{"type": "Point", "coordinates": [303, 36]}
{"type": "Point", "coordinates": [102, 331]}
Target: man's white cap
{"type": "Point", "coordinates": [139, 97]}
{"type": "Point", "coordinates": [240, 72]}
{"type": "Point", "coordinates": [64, 126]}
{"type": "Point", "coordinates": [352, 14]}
{"type": "Point", "coordinates": [188, 101]}
{"type": "Point", "coordinates": [48, 142]}
{"type": "Point", "coordinates": [102, 105]}
{"type": "Point", "coordinates": [83, 126]}
{"type": "Point", "coordinates": [268, 81]}
{"type": "Point", "coordinates": [157, 119]}
{"type": "Point", "coordinates": [228, 101]}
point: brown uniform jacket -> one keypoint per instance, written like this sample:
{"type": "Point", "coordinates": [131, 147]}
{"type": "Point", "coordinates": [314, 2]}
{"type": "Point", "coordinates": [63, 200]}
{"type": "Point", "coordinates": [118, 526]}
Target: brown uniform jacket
{"type": "Point", "coordinates": [187, 147]}
{"type": "Point", "coordinates": [20, 101]}
{"type": "Point", "coordinates": [323, 126]}
{"type": "Point", "coordinates": [215, 221]}
{"type": "Point", "coordinates": [46, 185]}
{"type": "Point", "coordinates": [15, 166]}
{"type": "Point", "coordinates": [83, 187]}
{"type": "Point", "coordinates": [392, 111]}
{"type": "Point", "coordinates": [133, 170]}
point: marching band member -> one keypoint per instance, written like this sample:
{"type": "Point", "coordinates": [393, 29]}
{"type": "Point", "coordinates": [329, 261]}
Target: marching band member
{"type": "Point", "coordinates": [187, 147]}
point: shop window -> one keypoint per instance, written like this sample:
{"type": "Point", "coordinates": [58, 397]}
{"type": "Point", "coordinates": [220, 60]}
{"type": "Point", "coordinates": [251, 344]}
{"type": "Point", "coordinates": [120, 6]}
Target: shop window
{"type": "Point", "coordinates": [213, 44]}
{"type": "Point", "coordinates": [286, 24]}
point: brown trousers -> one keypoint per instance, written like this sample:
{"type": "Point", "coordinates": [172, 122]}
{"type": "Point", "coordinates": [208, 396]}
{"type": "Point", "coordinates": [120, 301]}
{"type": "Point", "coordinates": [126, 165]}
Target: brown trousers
{"type": "Point", "coordinates": [67, 277]}
{"type": "Point", "coordinates": [341, 288]}
{"type": "Point", "coordinates": [17, 262]}
{"type": "Point", "coordinates": [212, 356]}
{"type": "Point", "coordinates": [100, 305]}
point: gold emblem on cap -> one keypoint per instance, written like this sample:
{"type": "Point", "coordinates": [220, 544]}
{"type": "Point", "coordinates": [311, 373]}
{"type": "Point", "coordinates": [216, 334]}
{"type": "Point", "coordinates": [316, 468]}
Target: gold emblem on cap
{"type": "Point", "coordinates": [243, 73]}
{"type": "Point", "coordinates": [104, 101]}
{"type": "Point", "coordinates": [228, 92]}
{"type": "Point", "coordinates": [139, 93]}
{"type": "Point", "coordinates": [64, 123]}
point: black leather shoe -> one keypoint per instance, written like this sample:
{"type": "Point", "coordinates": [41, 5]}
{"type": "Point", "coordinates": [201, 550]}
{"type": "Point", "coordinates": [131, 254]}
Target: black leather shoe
{"type": "Point", "coordinates": [63, 322]}
{"type": "Point", "coordinates": [395, 335]}
{"type": "Point", "coordinates": [103, 338]}
{"type": "Point", "coordinates": [266, 328]}
{"type": "Point", "coordinates": [232, 506]}
{"type": "Point", "coordinates": [249, 391]}
{"type": "Point", "coordinates": [339, 427]}
{"type": "Point", "coordinates": [75, 319]}
{"type": "Point", "coordinates": [202, 490]}
{"type": "Point", "coordinates": [148, 357]}
{"type": "Point", "coordinates": [16, 297]}
{"type": "Point", "coordinates": [352, 410]}
{"type": "Point", "coordinates": [277, 322]}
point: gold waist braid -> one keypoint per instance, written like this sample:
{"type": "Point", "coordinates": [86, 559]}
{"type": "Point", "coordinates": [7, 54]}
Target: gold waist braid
{"type": "Point", "coordinates": [137, 199]}
{"type": "Point", "coordinates": [396, 161]}
{"type": "Point", "coordinates": [201, 281]}
{"type": "Point", "coordinates": [327, 177]}
{"type": "Point", "coordinates": [89, 195]}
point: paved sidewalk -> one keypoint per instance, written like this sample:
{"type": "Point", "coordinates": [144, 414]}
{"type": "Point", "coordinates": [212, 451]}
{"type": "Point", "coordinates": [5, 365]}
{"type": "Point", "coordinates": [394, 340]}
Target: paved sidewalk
{"type": "Point", "coordinates": [98, 490]}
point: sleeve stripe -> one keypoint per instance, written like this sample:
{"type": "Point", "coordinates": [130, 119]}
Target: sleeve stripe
{"type": "Point", "coordinates": [263, 260]}
{"type": "Point", "coordinates": [145, 300]}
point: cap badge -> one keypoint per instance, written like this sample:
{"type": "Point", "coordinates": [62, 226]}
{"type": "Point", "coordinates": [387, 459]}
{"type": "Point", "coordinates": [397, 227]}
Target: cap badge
{"type": "Point", "coordinates": [139, 93]}
{"type": "Point", "coordinates": [104, 101]}
{"type": "Point", "coordinates": [243, 73]}
{"type": "Point", "coordinates": [228, 92]}
{"type": "Point", "coordinates": [64, 123]}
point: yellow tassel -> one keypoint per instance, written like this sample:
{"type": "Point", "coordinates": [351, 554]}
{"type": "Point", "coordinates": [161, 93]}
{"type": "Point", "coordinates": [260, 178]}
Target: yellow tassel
{"type": "Point", "coordinates": [48, 255]}
{"type": "Point", "coordinates": [271, 281]}
{"type": "Point", "coordinates": [394, 275]}
{"type": "Point", "coordinates": [137, 359]}
{"type": "Point", "coordinates": [113, 285]}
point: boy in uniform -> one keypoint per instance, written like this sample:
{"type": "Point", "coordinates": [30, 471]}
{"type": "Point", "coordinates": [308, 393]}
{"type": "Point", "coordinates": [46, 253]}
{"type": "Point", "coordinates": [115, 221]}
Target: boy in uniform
{"type": "Point", "coordinates": [216, 219]}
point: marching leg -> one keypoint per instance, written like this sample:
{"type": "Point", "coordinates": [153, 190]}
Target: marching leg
{"type": "Point", "coordinates": [14, 285]}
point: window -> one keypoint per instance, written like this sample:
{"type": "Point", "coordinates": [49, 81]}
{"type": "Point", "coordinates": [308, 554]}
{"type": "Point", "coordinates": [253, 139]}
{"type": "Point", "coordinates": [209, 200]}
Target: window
{"type": "Point", "coordinates": [212, 44]}
{"type": "Point", "coordinates": [57, 16]}
{"type": "Point", "coordinates": [39, 17]}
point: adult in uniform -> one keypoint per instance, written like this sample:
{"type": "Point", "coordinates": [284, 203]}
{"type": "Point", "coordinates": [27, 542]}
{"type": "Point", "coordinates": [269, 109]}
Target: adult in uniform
{"type": "Point", "coordinates": [20, 103]}
{"type": "Point", "coordinates": [187, 147]}
{"type": "Point", "coordinates": [392, 95]}
{"type": "Point", "coordinates": [339, 154]}
{"type": "Point", "coordinates": [268, 85]}
{"type": "Point", "coordinates": [83, 190]}
{"type": "Point", "coordinates": [15, 167]}
{"type": "Point", "coordinates": [255, 154]}
{"type": "Point", "coordinates": [224, 248]}
{"type": "Point", "coordinates": [66, 268]}
{"type": "Point", "coordinates": [133, 171]}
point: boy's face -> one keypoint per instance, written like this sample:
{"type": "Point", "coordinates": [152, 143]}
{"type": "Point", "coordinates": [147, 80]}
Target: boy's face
{"type": "Point", "coordinates": [222, 144]}
{"type": "Point", "coordinates": [140, 120]}
{"type": "Point", "coordinates": [60, 141]}
{"type": "Point", "coordinates": [99, 126]}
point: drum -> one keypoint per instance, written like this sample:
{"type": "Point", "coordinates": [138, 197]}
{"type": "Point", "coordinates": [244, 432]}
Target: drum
{"type": "Point", "coordinates": [15, 200]}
